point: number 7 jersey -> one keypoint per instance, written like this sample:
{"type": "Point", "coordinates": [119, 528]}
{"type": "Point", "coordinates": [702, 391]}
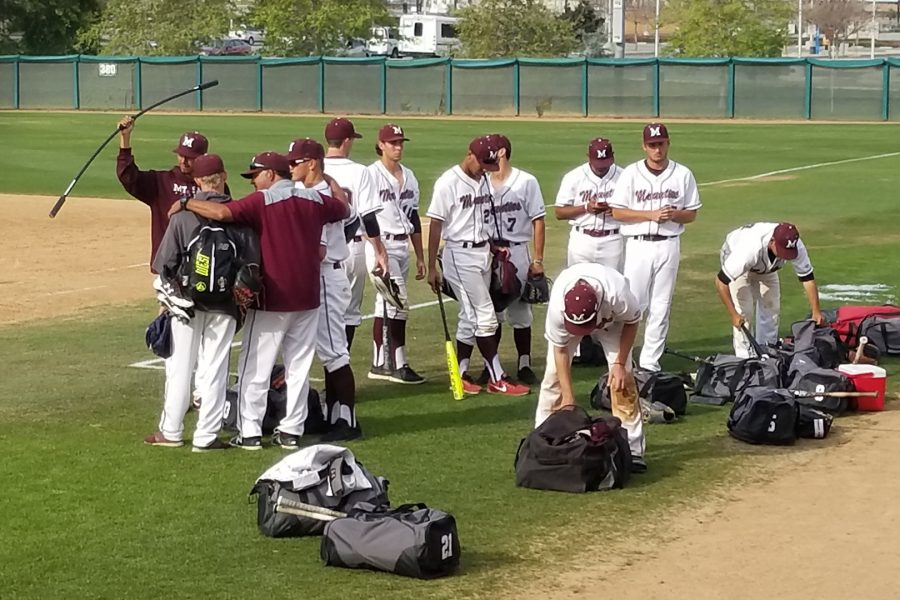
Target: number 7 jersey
{"type": "Point", "coordinates": [518, 202]}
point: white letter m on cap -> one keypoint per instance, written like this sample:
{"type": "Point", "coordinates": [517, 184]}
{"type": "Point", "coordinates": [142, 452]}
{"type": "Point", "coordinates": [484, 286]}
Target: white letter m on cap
{"type": "Point", "coordinates": [654, 131]}
{"type": "Point", "coordinates": [790, 244]}
{"type": "Point", "coordinates": [601, 153]}
{"type": "Point", "coordinates": [397, 130]}
{"type": "Point", "coordinates": [188, 142]}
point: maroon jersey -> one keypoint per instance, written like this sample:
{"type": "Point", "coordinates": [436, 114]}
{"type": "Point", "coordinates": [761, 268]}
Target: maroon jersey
{"type": "Point", "coordinates": [157, 189]}
{"type": "Point", "coordinates": [289, 223]}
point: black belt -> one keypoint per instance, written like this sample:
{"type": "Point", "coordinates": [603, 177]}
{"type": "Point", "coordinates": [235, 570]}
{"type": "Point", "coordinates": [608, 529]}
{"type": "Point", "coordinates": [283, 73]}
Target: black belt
{"type": "Point", "coordinates": [654, 238]}
{"type": "Point", "coordinates": [473, 244]}
{"type": "Point", "coordinates": [597, 232]}
{"type": "Point", "coordinates": [357, 238]}
{"type": "Point", "coordinates": [337, 265]}
{"type": "Point", "coordinates": [401, 237]}
{"type": "Point", "coordinates": [506, 243]}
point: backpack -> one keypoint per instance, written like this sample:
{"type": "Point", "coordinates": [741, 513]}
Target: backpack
{"type": "Point", "coordinates": [590, 353]}
{"type": "Point", "coordinates": [652, 386]}
{"type": "Point", "coordinates": [725, 376]}
{"type": "Point", "coordinates": [276, 407]}
{"type": "Point", "coordinates": [764, 416]}
{"type": "Point", "coordinates": [820, 343]}
{"type": "Point", "coordinates": [212, 263]}
{"type": "Point", "coordinates": [807, 377]}
{"type": "Point", "coordinates": [813, 423]}
{"type": "Point", "coordinates": [846, 319]}
{"type": "Point", "coordinates": [883, 333]}
{"type": "Point", "coordinates": [573, 452]}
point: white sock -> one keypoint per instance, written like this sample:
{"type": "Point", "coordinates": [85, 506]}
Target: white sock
{"type": "Point", "coordinates": [377, 356]}
{"type": "Point", "coordinates": [524, 361]}
{"type": "Point", "coordinates": [400, 356]}
{"type": "Point", "coordinates": [496, 369]}
{"type": "Point", "coordinates": [463, 365]}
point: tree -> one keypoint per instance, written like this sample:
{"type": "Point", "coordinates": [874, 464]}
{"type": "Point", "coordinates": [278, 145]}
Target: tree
{"type": "Point", "coordinates": [837, 19]}
{"type": "Point", "coordinates": [500, 28]}
{"type": "Point", "coordinates": [47, 27]}
{"type": "Point", "coordinates": [641, 13]}
{"type": "Point", "coordinates": [304, 27]}
{"type": "Point", "coordinates": [588, 27]}
{"type": "Point", "coordinates": [753, 28]}
{"type": "Point", "coordinates": [161, 27]}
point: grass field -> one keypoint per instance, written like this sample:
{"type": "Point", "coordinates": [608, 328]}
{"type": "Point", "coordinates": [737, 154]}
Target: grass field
{"type": "Point", "coordinates": [89, 511]}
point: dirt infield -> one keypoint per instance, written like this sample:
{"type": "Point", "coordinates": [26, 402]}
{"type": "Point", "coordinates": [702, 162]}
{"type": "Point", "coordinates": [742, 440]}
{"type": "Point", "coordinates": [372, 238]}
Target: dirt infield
{"type": "Point", "coordinates": [94, 253]}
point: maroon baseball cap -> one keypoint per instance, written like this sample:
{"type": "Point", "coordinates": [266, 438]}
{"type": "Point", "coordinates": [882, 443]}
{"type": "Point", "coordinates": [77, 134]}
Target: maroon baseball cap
{"type": "Point", "coordinates": [580, 305]}
{"type": "Point", "coordinates": [501, 141]}
{"type": "Point", "coordinates": [267, 160]}
{"type": "Point", "coordinates": [786, 238]}
{"type": "Point", "coordinates": [392, 133]}
{"type": "Point", "coordinates": [206, 165]}
{"type": "Point", "coordinates": [191, 144]}
{"type": "Point", "coordinates": [340, 129]}
{"type": "Point", "coordinates": [485, 151]}
{"type": "Point", "coordinates": [655, 132]}
{"type": "Point", "coordinates": [600, 153]}
{"type": "Point", "coordinates": [305, 149]}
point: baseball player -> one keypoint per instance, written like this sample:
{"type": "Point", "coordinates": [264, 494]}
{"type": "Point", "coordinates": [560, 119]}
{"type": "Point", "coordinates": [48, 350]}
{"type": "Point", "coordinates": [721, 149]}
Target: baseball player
{"type": "Point", "coordinates": [653, 200]}
{"type": "Point", "coordinates": [357, 184]}
{"type": "Point", "coordinates": [583, 200]}
{"type": "Point", "coordinates": [205, 339]}
{"type": "Point", "coordinates": [306, 157]}
{"type": "Point", "coordinates": [461, 215]}
{"type": "Point", "coordinates": [748, 279]}
{"type": "Point", "coordinates": [595, 300]}
{"type": "Point", "coordinates": [519, 217]}
{"type": "Point", "coordinates": [289, 222]}
{"type": "Point", "coordinates": [398, 189]}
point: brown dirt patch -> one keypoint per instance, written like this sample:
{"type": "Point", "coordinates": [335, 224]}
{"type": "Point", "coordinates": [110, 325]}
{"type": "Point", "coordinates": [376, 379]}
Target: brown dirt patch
{"type": "Point", "coordinates": [94, 253]}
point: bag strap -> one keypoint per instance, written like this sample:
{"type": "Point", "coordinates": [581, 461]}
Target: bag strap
{"type": "Point", "coordinates": [335, 477]}
{"type": "Point", "coordinates": [409, 507]}
{"type": "Point", "coordinates": [642, 393]}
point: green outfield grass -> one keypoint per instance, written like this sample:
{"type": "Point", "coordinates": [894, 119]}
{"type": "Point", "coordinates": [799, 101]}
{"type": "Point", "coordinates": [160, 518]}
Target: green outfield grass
{"type": "Point", "coordinates": [89, 511]}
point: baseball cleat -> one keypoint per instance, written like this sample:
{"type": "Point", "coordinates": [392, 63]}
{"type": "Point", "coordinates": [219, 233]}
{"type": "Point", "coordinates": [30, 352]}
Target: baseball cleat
{"type": "Point", "coordinates": [406, 375]}
{"type": "Point", "coordinates": [288, 441]}
{"type": "Point", "coordinates": [182, 314]}
{"type": "Point", "coordinates": [638, 464]}
{"type": "Point", "coordinates": [484, 378]}
{"type": "Point", "coordinates": [526, 376]}
{"type": "Point", "coordinates": [247, 443]}
{"type": "Point", "coordinates": [379, 372]}
{"type": "Point", "coordinates": [469, 386]}
{"type": "Point", "coordinates": [172, 292]}
{"type": "Point", "coordinates": [158, 439]}
{"type": "Point", "coordinates": [505, 387]}
{"type": "Point", "coordinates": [214, 445]}
{"type": "Point", "coordinates": [342, 432]}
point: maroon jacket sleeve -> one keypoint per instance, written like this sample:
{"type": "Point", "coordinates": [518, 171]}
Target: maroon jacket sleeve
{"type": "Point", "coordinates": [333, 210]}
{"type": "Point", "coordinates": [143, 185]}
{"type": "Point", "coordinates": [248, 210]}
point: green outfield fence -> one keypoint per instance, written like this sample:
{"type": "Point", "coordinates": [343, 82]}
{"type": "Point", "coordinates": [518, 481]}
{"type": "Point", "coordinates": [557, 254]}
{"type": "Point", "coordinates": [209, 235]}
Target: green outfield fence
{"type": "Point", "coordinates": [745, 88]}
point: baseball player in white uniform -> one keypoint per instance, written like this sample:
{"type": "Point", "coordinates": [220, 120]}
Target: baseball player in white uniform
{"type": "Point", "coordinates": [357, 183]}
{"type": "Point", "coordinates": [519, 218]}
{"type": "Point", "coordinates": [461, 215]}
{"type": "Point", "coordinates": [653, 200]}
{"type": "Point", "coordinates": [748, 279]}
{"type": "Point", "coordinates": [595, 300]}
{"type": "Point", "coordinates": [398, 189]}
{"type": "Point", "coordinates": [583, 200]}
{"type": "Point", "coordinates": [306, 157]}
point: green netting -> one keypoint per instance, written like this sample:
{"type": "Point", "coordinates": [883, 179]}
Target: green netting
{"type": "Point", "coordinates": [7, 85]}
{"type": "Point", "coordinates": [894, 93]}
{"type": "Point", "coordinates": [237, 85]}
{"type": "Point", "coordinates": [416, 90]}
{"type": "Point", "coordinates": [46, 85]}
{"type": "Point", "coordinates": [844, 94]}
{"type": "Point", "coordinates": [693, 90]}
{"type": "Point", "coordinates": [550, 90]}
{"type": "Point", "coordinates": [769, 91]}
{"type": "Point", "coordinates": [483, 91]}
{"type": "Point", "coordinates": [160, 80]}
{"type": "Point", "coordinates": [353, 88]}
{"type": "Point", "coordinates": [107, 85]}
{"type": "Point", "coordinates": [290, 87]}
{"type": "Point", "coordinates": [620, 90]}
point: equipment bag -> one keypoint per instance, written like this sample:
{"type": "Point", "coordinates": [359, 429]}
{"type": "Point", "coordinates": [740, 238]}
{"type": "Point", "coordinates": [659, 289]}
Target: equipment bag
{"type": "Point", "coordinates": [573, 452]}
{"type": "Point", "coordinates": [652, 386]}
{"type": "Point", "coordinates": [764, 416]}
{"type": "Point", "coordinates": [276, 407]}
{"type": "Point", "coordinates": [821, 344]}
{"type": "Point", "coordinates": [883, 333]}
{"type": "Point", "coordinates": [212, 264]}
{"type": "Point", "coordinates": [411, 540]}
{"type": "Point", "coordinates": [339, 484]}
{"type": "Point", "coordinates": [807, 377]}
{"type": "Point", "coordinates": [813, 423]}
{"type": "Point", "coordinates": [846, 319]}
{"type": "Point", "coordinates": [590, 353]}
{"type": "Point", "coordinates": [723, 377]}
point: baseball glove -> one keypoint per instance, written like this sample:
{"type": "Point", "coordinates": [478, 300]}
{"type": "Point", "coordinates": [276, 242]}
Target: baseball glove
{"type": "Point", "coordinates": [388, 289]}
{"type": "Point", "coordinates": [159, 335]}
{"type": "Point", "coordinates": [505, 287]}
{"type": "Point", "coordinates": [247, 286]}
{"type": "Point", "coordinates": [536, 289]}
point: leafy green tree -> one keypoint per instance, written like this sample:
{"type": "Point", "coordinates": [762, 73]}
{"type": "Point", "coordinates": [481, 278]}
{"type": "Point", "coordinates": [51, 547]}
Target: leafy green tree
{"type": "Point", "coordinates": [158, 27]}
{"type": "Point", "coordinates": [583, 17]}
{"type": "Point", "coordinates": [507, 28]}
{"type": "Point", "coordinates": [47, 27]}
{"type": "Point", "coordinates": [312, 27]}
{"type": "Point", "coordinates": [752, 28]}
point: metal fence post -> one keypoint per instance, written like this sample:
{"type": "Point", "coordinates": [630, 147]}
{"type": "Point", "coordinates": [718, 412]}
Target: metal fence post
{"type": "Point", "coordinates": [516, 75]}
{"type": "Point", "coordinates": [199, 82]}
{"type": "Point", "coordinates": [656, 88]}
{"type": "Point", "coordinates": [886, 90]}
{"type": "Point", "coordinates": [16, 84]}
{"type": "Point", "coordinates": [76, 95]}
{"type": "Point", "coordinates": [383, 83]}
{"type": "Point", "coordinates": [729, 98]}
{"type": "Point", "coordinates": [138, 90]}
{"type": "Point", "coordinates": [448, 85]}
{"type": "Point", "coordinates": [807, 93]}
{"type": "Point", "coordinates": [259, 84]}
{"type": "Point", "coordinates": [584, 88]}
{"type": "Point", "coordinates": [321, 85]}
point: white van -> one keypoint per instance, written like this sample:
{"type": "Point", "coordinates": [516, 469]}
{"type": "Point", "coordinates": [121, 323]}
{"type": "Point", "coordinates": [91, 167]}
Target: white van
{"type": "Point", "coordinates": [428, 35]}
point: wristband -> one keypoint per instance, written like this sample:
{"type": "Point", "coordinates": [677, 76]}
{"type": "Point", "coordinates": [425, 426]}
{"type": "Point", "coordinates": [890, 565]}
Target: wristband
{"type": "Point", "coordinates": [184, 201]}
{"type": "Point", "coordinates": [537, 262]}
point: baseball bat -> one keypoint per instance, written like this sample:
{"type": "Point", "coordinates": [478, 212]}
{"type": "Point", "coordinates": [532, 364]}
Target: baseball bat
{"type": "Point", "coordinates": [861, 349]}
{"type": "Point", "coordinates": [452, 364]}
{"type": "Point", "coordinates": [310, 511]}
{"type": "Point", "coordinates": [805, 394]}
{"type": "Point", "coordinates": [62, 199]}
{"type": "Point", "coordinates": [696, 359]}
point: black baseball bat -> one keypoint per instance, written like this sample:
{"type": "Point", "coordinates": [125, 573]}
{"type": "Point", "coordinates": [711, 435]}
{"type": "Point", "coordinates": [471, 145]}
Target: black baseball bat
{"type": "Point", "coordinates": [696, 359]}
{"type": "Point", "coordinates": [62, 199]}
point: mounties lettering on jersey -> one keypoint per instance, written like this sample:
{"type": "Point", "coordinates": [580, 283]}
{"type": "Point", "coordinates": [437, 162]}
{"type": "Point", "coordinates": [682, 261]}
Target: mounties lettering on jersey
{"type": "Point", "coordinates": [388, 195]}
{"type": "Point", "coordinates": [646, 195]}
{"type": "Point", "coordinates": [594, 195]}
{"type": "Point", "coordinates": [468, 202]}
{"type": "Point", "coordinates": [509, 207]}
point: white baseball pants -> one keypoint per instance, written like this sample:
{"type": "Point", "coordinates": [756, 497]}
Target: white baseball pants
{"type": "Point", "coordinates": [758, 293]}
{"type": "Point", "coordinates": [398, 263]}
{"type": "Point", "coordinates": [625, 405]}
{"type": "Point", "coordinates": [331, 334]}
{"type": "Point", "coordinates": [606, 251]}
{"type": "Point", "coordinates": [468, 271]}
{"type": "Point", "coordinates": [519, 313]}
{"type": "Point", "coordinates": [355, 267]}
{"type": "Point", "coordinates": [265, 334]}
{"type": "Point", "coordinates": [205, 342]}
{"type": "Point", "coordinates": [651, 269]}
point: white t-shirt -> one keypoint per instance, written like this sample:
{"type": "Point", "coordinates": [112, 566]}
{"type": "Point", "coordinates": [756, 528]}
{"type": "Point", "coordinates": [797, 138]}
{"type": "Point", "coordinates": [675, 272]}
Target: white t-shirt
{"type": "Point", "coordinates": [357, 182]}
{"type": "Point", "coordinates": [617, 303]}
{"type": "Point", "coordinates": [399, 201]}
{"type": "Point", "coordinates": [581, 185]}
{"type": "Point", "coordinates": [464, 205]}
{"type": "Point", "coordinates": [639, 189]}
{"type": "Point", "coordinates": [518, 202]}
{"type": "Point", "coordinates": [336, 249]}
{"type": "Point", "coordinates": [746, 250]}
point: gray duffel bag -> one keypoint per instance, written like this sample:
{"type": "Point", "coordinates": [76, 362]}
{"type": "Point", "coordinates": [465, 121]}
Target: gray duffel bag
{"type": "Point", "coordinates": [411, 540]}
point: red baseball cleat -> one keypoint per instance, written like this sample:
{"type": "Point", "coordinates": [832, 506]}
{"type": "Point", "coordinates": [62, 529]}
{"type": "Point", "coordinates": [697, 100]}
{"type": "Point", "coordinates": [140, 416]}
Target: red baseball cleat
{"type": "Point", "coordinates": [469, 386]}
{"type": "Point", "coordinates": [506, 387]}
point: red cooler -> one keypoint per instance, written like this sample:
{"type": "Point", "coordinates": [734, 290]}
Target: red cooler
{"type": "Point", "coordinates": [867, 378]}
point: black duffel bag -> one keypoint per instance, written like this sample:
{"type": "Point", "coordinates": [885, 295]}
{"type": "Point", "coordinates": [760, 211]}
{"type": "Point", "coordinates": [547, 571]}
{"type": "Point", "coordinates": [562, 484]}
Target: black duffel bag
{"type": "Point", "coordinates": [411, 540]}
{"type": "Point", "coordinates": [764, 416]}
{"type": "Point", "coordinates": [652, 386]}
{"type": "Point", "coordinates": [819, 343]}
{"type": "Point", "coordinates": [813, 423]}
{"type": "Point", "coordinates": [574, 452]}
{"type": "Point", "coordinates": [724, 377]}
{"type": "Point", "coordinates": [276, 407]}
{"type": "Point", "coordinates": [807, 377]}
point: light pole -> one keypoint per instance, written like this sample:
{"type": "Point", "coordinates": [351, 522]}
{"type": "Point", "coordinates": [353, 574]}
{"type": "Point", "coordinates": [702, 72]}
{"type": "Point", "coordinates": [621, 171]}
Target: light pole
{"type": "Point", "coordinates": [799, 28]}
{"type": "Point", "coordinates": [874, 31]}
{"type": "Point", "coordinates": [656, 33]}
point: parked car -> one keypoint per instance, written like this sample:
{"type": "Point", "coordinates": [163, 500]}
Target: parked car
{"type": "Point", "coordinates": [248, 34]}
{"type": "Point", "coordinates": [354, 47]}
{"type": "Point", "coordinates": [384, 42]}
{"type": "Point", "coordinates": [227, 48]}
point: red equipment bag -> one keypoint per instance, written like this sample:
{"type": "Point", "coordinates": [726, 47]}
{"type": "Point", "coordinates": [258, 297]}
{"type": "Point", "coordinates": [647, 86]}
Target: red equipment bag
{"type": "Point", "coordinates": [847, 319]}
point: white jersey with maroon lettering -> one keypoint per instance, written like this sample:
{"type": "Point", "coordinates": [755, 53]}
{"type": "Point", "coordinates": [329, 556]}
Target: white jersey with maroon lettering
{"type": "Point", "coordinates": [746, 250]}
{"type": "Point", "coordinates": [639, 189]}
{"type": "Point", "coordinates": [357, 182]}
{"type": "Point", "coordinates": [333, 238]}
{"type": "Point", "coordinates": [518, 202]}
{"type": "Point", "coordinates": [581, 185]}
{"type": "Point", "coordinates": [464, 205]}
{"type": "Point", "coordinates": [399, 199]}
